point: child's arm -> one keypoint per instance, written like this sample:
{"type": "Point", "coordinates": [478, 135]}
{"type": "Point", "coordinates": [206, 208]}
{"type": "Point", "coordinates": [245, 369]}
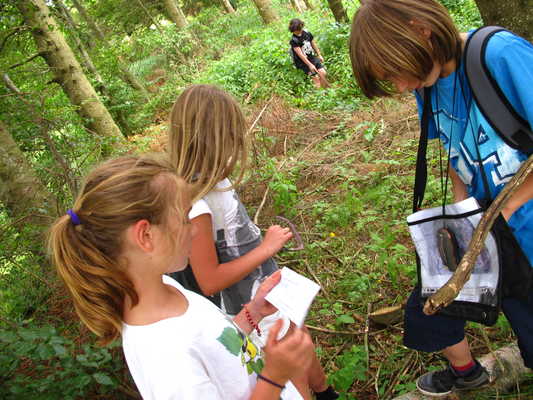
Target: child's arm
{"type": "Point", "coordinates": [213, 277]}
{"type": "Point", "coordinates": [303, 57]}
{"type": "Point", "coordinates": [520, 197]}
{"type": "Point", "coordinates": [284, 358]}
{"type": "Point", "coordinates": [458, 187]}
{"type": "Point", "coordinates": [317, 50]}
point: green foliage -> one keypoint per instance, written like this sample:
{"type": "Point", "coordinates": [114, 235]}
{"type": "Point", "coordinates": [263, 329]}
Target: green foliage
{"type": "Point", "coordinates": [41, 364]}
{"type": "Point", "coordinates": [464, 13]}
{"type": "Point", "coordinates": [352, 366]}
{"type": "Point", "coordinates": [263, 66]}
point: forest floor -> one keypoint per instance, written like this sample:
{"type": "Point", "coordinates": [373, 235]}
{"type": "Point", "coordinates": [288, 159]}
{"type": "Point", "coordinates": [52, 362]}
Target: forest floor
{"type": "Point", "coordinates": [345, 180]}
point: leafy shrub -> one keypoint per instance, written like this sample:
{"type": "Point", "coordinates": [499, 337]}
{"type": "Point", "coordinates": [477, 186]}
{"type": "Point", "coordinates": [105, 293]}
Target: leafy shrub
{"type": "Point", "coordinates": [352, 366]}
{"type": "Point", "coordinates": [38, 363]}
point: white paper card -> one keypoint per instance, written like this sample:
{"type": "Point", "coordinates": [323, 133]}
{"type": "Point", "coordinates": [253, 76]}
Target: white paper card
{"type": "Point", "coordinates": [293, 295]}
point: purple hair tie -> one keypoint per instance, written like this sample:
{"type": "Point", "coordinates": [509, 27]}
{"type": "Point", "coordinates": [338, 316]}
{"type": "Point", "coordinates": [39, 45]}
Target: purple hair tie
{"type": "Point", "coordinates": [75, 219]}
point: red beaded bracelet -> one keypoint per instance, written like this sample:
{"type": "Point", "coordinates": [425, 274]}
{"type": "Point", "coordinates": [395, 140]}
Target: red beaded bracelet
{"type": "Point", "coordinates": [251, 321]}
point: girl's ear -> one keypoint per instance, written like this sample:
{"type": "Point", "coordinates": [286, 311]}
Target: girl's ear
{"type": "Point", "coordinates": [142, 236]}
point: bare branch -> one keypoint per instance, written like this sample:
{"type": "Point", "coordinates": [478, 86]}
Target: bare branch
{"type": "Point", "coordinates": [40, 54]}
{"type": "Point", "coordinates": [14, 31]}
{"type": "Point", "coordinates": [10, 85]}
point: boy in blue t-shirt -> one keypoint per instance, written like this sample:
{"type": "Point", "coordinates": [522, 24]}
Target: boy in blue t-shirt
{"type": "Point", "coordinates": [411, 44]}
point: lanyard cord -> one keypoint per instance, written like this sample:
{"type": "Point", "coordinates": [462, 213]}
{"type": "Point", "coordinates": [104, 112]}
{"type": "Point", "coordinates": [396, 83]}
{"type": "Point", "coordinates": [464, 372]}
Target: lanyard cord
{"type": "Point", "coordinates": [444, 181]}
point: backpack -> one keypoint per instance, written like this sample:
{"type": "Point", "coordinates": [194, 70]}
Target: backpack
{"type": "Point", "coordinates": [510, 126]}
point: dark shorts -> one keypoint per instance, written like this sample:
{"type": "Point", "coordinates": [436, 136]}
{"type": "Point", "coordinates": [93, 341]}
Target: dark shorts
{"type": "Point", "coordinates": [315, 61]}
{"type": "Point", "coordinates": [431, 333]}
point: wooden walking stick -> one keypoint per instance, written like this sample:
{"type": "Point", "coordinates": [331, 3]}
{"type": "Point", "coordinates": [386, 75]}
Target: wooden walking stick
{"type": "Point", "coordinates": [447, 293]}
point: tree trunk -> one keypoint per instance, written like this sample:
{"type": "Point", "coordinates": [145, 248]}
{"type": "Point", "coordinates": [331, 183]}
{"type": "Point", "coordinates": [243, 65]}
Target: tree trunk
{"type": "Point", "coordinates": [175, 13]}
{"type": "Point", "coordinates": [515, 15]}
{"type": "Point", "coordinates": [309, 5]}
{"type": "Point", "coordinates": [90, 67]}
{"type": "Point", "coordinates": [298, 6]}
{"type": "Point", "coordinates": [66, 69]}
{"type": "Point", "coordinates": [267, 13]}
{"type": "Point", "coordinates": [85, 58]}
{"type": "Point", "coordinates": [89, 20]}
{"type": "Point", "coordinates": [43, 125]}
{"type": "Point", "coordinates": [21, 191]}
{"type": "Point", "coordinates": [338, 11]}
{"type": "Point", "coordinates": [126, 75]}
{"type": "Point", "coordinates": [227, 5]}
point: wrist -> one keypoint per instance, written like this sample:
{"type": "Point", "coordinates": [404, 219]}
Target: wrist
{"type": "Point", "coordinates": [265, 251]}
{"type": "Point", "coordinates": [253, 311]}
{"type": "Point", "coordinates": [274, 376]}
{"type": "Point", "coordinates": [252, 317]}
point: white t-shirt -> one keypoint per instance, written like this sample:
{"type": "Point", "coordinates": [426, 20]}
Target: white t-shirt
{"type": "Point", "coordinates": [234, 235]}
{"type": "Point", "coordinates": [197, 355]}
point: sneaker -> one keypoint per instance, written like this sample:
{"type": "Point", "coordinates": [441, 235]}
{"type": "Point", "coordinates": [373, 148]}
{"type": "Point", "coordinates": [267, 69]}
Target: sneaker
{"type": "Point", "coordinates": [328, 394]}
{"type": "Point", "coordinates": [442, 383]}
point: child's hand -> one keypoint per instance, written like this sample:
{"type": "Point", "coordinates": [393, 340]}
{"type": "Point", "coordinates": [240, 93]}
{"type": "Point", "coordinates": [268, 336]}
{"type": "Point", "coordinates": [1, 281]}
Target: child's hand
{"type": "Point", "coordinates": [259, 306]}
{"type": "Point", "coordinates": [289, 356]}
{"type": "Point", "coordinates": [275, 238]}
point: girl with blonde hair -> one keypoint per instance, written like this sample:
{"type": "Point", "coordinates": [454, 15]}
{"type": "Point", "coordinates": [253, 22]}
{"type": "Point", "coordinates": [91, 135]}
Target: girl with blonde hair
{"type": "Point", "coordinates": [413, 45]}
{"type": "Point", "coordinates": [228, 257]}
{"type": "Point", "coordinates": [127, 229]}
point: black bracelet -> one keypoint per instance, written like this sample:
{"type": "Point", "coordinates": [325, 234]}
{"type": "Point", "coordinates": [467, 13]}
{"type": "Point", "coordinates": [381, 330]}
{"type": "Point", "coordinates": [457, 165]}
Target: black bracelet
{"type": "Point", "coordinates": [264, 378]}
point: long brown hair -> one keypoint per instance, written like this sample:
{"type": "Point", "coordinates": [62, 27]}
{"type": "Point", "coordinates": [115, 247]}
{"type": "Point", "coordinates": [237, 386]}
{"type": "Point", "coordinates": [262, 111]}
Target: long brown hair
{"type": "Point", "coordinates": [87, 256]}
{"type": "Point", "coordinates": [384, 38]}
{"type": "Point", "coordinates": [206, 138]}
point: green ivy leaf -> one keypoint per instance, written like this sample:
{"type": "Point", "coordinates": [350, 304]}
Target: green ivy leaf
{"type": "Point", "coordinates": [102, 379]}
{"type": "Point", "coordinates": [60, 351]}
{"type": "Point", "coordinates": [345, 319]}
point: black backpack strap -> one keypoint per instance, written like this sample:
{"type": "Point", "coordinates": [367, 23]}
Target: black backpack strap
{"type": "Point", "coordinates": [421, 174]}
{"type": "Point", "coordinates": [512, 128]}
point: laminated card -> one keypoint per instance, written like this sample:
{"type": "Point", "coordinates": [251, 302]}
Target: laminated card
{"type": "Point", "coordinates": [293, 295]}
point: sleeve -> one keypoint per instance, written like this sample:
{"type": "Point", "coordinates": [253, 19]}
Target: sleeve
{"type": "Point", "coordinates": [509, 59]}
{"type": "Point", "coordinates": [199, 208]}
{"type": "Point", "coordinates": [432, 134]}
{"type": "Point", "coordinates": [311, 37]}
{"type": "Point", "coordinates": [294, 43]}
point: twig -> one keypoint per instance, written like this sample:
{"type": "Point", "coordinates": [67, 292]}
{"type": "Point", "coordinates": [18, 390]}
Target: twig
{"type": "Point", "coordinates": [339, 350]}
{"type": "Point", "coordinates": [316, 328]}
{"type": "Point", "coordinates": [376, 379]}
{"type": "Point", "coordinates": [26, 61]}
{"type": "Point", "coordinates": [14, 30]}
{"type": "Point", "coordinates": [11, 85]}
{"type": "Point", "coordinates": [312, 273]}
{"type": "Point", "coordinates": [367, 327]}
{"type": "Point", "coordinates": [258, 117]}
{"type": "Point", "coordinates": [397, 376]}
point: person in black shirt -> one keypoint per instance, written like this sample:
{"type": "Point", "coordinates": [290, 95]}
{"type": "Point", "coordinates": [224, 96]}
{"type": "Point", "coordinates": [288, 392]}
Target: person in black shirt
{"type": "Point", "coordinates": [307, 55]}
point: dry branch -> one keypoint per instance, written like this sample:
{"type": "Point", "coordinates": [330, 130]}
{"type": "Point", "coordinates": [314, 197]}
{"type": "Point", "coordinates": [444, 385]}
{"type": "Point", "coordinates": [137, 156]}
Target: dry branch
{"type": "Point", "coordinates": [447, 293]}
{"type": "Point", "coordinates": [505, 367]}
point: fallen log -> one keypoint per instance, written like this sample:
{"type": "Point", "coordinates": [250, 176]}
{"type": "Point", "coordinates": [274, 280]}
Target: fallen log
{"type": "Point", "coordinates": [506, 369]}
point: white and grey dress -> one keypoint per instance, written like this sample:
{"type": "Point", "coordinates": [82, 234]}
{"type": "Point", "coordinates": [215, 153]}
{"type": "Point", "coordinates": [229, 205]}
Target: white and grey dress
{"type": "Point", "coordinates": [235, 235]}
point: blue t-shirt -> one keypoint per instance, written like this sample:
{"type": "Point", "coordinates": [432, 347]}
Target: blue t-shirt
{"type": "Point", "coordinates": [509, 59]}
